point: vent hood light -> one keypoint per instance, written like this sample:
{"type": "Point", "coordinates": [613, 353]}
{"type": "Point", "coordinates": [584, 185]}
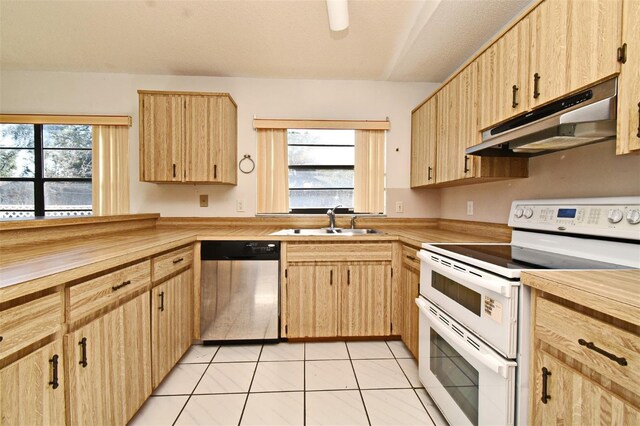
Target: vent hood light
{"type": "Point", "coordinates": [338, 14]}
{"type": "Point", "coordinates": [579, 119]}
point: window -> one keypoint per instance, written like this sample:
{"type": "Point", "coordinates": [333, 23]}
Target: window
{"type": "Point", "coordinates": [45, 170]}
{"type": "Point", "coordinates": [321, 169]}
{"type": "Point", "coordinates": [308, 166]}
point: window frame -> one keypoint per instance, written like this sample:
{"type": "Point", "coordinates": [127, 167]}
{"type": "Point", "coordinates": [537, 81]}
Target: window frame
{"type": "Point", "coordinates": [39, 179]}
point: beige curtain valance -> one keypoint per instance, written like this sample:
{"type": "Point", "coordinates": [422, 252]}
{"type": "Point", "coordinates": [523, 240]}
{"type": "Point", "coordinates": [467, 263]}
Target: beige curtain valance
{"type": "Point", "coordinates": [269, 123]}
{"type": "Point", "coordinates": [93, 120]}
{"type": "Point", "coordinates": [110, 170]}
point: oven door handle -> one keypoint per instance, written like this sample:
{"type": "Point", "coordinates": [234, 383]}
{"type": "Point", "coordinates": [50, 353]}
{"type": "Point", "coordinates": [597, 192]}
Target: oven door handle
{"type": "Point", "coordinates": [495, 285]}
{"type": "Point", "coordinates": [493, 362]}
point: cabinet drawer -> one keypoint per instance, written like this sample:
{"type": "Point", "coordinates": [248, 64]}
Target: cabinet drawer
{"type": "Point", "coordinates": [570, 331]}
{"type": "Point", "coordinates": [94, 294]}
{"type": "Point", "coordinates": [339, 252]}
{"type": "Point", "coordinates": [410, 258]}
{"type": "Point", "coordinates": [25, 324]}
{"type": "Point", "coordinates": [171, 262]}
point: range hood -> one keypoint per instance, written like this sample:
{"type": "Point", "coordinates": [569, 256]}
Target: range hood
{"type": "Point", "coordinates": [580, 119]}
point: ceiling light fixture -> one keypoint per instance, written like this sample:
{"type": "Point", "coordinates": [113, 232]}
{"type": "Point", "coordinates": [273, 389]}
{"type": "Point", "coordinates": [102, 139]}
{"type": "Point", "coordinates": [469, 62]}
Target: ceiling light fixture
{"type": "Point", "coordinates": [338, 14]}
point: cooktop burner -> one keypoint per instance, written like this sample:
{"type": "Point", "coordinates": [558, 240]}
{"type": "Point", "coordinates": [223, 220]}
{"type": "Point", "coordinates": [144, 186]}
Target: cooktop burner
{"type": "Point", "coordinates": [514, 257]}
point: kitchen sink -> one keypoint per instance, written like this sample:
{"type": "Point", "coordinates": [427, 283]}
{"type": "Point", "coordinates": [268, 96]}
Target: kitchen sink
{"type": "Point", "coordinates": [344, 232]}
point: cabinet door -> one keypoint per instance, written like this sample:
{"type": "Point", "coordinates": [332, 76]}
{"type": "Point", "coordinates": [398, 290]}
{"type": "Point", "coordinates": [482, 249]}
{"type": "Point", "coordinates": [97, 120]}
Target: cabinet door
{"type": "Point", "coordinates": [161, 135]}
{"type": "Point", "coordinates": [503, 77]}
{"type": "Point", "coordinates": [366, 299]}
{"type": "Point", "coordinates": [28, 394]}
{"type": "Point", "coordinates": [136, 350]}
{"type": "Point", "coordinates": [457, 126]}
{"type": "Point", "coordinates": [574, 399]}
{"type": "Point", "coordinates": [574, 44]}
{"type": "Point", "coordinates": [203, 137]}
{"type": "Point", "coordinates": [423, 144]}
{"type": "Point", "coordinates": [410, 288]}
{"type": "Point", "coordinates": [629, 81]}
{"type": "Point", "coordinates": [94, 354]}
{"type": "Point", "coordinates": [170, 323]}
{"type": "Point", "coordinates": [229, 142]}
{"type": "Point", "coordinates": [312, 300]}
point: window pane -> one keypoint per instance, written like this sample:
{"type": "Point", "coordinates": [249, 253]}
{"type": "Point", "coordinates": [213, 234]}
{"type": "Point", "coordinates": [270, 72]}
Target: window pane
{"type": "Point", "coordinates": [66, 136]}
{"type": "Point", "coordinates": [67, 164]}
{"type": "Point", "coordinates": [16, 196]}
{"type": "Point", "coordinates": [16, 162]}
{"type": "Point", "coordinates": [321, 155]}
{"type": "Point", "coordinates": [67, 195]}
{"type": "Point", "coordinates": [320, 137]}
{"type": "Point", "coordinates": [320, 178]}
{"type": "Point", "coordinates": [320, 199]}
{"type": "Point", "coordinates": [16, 135]}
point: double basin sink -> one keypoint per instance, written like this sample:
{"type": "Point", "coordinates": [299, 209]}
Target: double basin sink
{"type": "Point", "coordinates": [344, 232]}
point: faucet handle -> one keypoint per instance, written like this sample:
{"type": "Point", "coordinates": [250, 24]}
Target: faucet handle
{"type": "Point", "coordinates": [353, 221]}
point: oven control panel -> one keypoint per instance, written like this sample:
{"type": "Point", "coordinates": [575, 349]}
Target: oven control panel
{"type": "Point", "coordinates": [612, 217]}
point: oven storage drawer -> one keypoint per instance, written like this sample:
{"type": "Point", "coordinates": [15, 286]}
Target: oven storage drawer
{"type": "Point", "coordinates": [610, 351]}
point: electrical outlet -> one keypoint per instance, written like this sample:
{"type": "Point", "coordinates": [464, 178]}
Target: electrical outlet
{"type": "Point", "coordinates": [399, 207]}
{"type": "Point", "coordinates": [204, 200]}
{"type": "Point", "coordinates": [469, 208]}
{"type": "Point", "coordinates": [239, 205]}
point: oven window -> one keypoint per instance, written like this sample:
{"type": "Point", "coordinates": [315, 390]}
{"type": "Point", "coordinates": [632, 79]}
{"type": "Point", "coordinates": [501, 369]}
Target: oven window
{"type": "Point", "coordinates": [456, 375]}
{"type": "Point", "coordinates": [464, 296]}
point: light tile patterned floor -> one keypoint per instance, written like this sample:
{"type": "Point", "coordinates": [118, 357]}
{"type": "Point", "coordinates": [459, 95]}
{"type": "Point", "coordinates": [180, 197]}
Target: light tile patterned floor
{"type": "Point", "coordinates": [333, 383]}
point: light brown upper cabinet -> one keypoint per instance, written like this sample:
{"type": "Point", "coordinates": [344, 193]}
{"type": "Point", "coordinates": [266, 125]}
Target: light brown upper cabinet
{"type": "Point", "coordinates": [423, 144]}
{"type": "Point", "coordinates": [503, 77]}
{"type": "Point", "coordinates": [629, 80]}
{"type": "Point", "coordinates": [573, 45]}
{"type": "Point", "coordinates": [457, 121]}
{"type": "Point", "coordinates": [188, 137]}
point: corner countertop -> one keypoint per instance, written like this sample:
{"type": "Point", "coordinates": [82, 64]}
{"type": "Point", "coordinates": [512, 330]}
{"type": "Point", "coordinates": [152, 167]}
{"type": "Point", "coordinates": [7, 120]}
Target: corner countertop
{"type": "Point", "coordinates": [41, 266]}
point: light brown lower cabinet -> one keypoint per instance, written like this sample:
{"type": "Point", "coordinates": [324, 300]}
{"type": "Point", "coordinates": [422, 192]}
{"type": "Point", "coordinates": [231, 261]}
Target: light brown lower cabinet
{"type": "Point", "coordinates": [573, 399]}
{"type": "Point", "coordinates": [108, 365]}
{"type": "Point", "coordinates": [338, 299]}
{"type": "Point", "coordinates": [312, 300]}
{"type": "Point", "coordinates": [32, 388]}
{"type": "Point", "coordinates": [410, 287]}
{"type": "Point", "coordinates": [171, 316]}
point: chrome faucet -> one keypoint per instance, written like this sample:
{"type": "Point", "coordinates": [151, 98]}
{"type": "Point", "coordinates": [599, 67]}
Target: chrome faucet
{"type": "Point", "coordinates": [353, 221]}
{"type": "Point", "coordinates": [332, 216]}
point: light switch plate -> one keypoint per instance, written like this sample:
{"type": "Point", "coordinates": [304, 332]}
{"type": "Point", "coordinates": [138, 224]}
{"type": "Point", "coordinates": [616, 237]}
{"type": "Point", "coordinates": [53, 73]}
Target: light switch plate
{"type": "Point", "coordinates": [399, 207]}
{"type": "Point", "coordinates": [469, 208]}
{"type": "Point", "coordinates": [204, 200]}
{"type": "Point", "coordinates": [239, 205]}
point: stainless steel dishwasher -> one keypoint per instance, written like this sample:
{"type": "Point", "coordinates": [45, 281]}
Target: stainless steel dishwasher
{"type": "Point", "coordinates": [240, 291]}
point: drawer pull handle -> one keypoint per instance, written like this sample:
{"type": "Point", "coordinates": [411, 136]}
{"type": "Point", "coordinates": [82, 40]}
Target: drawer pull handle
{"type": "Point", "coordinates": [119, 286]}
{"type": "Point", "coordinates": [536, 84]}
{"type": "Point", "coordinates": [429, 170]}
{"type": "Point", "coordinates": [83, 346]}
{"type": "Point", "coordinates": [411, 258]}
{"type": "Point", "coordinates": [593, 347]}
{"type": "Point", "coordinates": [331, 277]}
{"type": "Point", "coordinates": [638, 135]}
{"type": "Point", "coordinates": [161, 301]}
{"type": "Point", "coordinates": [514, 100]}
{"type": "Point", "coordinates": [54, 380]}
{"type": "Point", "coordinates": [348, 276]}
{"type": "Point", "coordinates": [1, 338]}
{"type": "Point", "coordinates": [545, 396]}
{"type": "Point", "coordinates": [178, 260]}
{"type": "Point", "coordinates": [174, 170]}
{"type": "Point", "coordinates": [466, 164]}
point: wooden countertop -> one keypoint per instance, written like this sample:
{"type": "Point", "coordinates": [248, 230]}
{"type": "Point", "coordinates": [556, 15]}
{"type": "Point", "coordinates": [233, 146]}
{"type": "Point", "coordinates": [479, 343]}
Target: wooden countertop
{"type": "Point", "coordinates": [37, 267]}
{"type": "Point", "coordinates": [614, 292]}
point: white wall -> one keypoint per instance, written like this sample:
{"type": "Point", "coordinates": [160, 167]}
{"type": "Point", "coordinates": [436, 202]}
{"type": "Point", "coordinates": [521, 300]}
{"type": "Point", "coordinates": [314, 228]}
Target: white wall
{"type": "Point", "coordinates": [95, 93]}
{"type": "Point", "coordinates": [588, 171]}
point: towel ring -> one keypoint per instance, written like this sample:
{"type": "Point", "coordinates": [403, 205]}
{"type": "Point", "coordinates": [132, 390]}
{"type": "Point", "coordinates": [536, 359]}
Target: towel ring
{"type": "Point", "coordinates": [249, 167]}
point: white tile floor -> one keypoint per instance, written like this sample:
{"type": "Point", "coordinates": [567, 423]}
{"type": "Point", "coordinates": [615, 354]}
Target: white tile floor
{"type": "Point", "coordinates": [333, 383]}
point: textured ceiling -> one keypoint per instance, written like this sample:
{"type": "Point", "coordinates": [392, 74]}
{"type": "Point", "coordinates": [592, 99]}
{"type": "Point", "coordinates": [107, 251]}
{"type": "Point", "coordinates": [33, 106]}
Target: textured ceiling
{"type": "Point", "coordinates": [395, 40]}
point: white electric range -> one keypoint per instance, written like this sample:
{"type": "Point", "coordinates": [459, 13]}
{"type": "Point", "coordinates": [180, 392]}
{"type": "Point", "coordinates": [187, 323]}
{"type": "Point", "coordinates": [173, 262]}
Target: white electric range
{"type": "Point", "coordinates": [474, 314]}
